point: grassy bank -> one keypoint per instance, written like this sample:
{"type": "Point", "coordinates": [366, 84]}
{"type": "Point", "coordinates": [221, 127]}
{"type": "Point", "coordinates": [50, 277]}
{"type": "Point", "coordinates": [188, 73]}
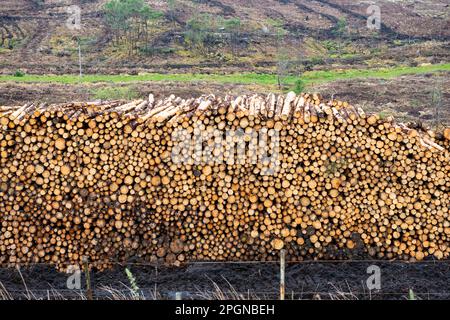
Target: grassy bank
{"type": "Point", "coordinates": [246, 78]}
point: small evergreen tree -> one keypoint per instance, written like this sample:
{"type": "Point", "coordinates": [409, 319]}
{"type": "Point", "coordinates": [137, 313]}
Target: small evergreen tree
{"type": "Point", "coordinates": [130, 22]}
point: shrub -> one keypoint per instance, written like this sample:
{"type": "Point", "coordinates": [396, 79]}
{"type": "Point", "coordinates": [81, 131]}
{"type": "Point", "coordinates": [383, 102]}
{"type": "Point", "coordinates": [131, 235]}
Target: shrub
{"type": "Point", "coordinates": [317, 60]}
{"type": "Point", "coordinates": [19, 73]}
{"type": "Point", "coordinates": [299, 86]}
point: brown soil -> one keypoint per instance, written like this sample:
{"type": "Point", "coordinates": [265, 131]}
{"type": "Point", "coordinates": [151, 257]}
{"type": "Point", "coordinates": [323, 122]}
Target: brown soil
{"type": "Point", "coordinates": [407, 98]}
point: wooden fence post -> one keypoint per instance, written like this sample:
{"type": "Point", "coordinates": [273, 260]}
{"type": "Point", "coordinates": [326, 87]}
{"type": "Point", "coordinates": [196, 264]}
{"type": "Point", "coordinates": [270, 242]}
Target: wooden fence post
{"type": "Point", "coordinates": [87, 274]}
{"type": "Point", "coordinates": [282, 273]}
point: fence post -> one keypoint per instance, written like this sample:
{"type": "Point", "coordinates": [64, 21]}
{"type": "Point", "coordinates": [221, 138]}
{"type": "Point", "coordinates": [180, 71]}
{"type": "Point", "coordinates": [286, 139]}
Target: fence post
{"type": "Point", "coordinates": [282, 273]}
{"type": "Point", "coordinates": [87, 274]}
{"type": "Point", "coordinates": [79, 58]}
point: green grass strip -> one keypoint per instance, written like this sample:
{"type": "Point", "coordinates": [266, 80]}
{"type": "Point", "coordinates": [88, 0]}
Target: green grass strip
{"type": "Point", "coordinates": [235, 78]}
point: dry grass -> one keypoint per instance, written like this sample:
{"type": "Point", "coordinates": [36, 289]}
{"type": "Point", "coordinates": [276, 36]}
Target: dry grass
{"type": "Point", "coordinates": [131, 291]}
{"type": "Point", "coordinates": [126, 292]}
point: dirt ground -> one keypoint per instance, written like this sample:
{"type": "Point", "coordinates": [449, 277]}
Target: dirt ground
{"type": "Point", "coordinates": [407, 98]}
{"type": "Point", "coordinates": [307, 280]}
{"type": "Point", "coordinates": [19, 93]}
{"type": "Point", "coordinates": [419, 98]}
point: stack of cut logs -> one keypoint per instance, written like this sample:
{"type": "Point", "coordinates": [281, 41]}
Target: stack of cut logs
{"type": "Point", "coordinates": [105, 180]}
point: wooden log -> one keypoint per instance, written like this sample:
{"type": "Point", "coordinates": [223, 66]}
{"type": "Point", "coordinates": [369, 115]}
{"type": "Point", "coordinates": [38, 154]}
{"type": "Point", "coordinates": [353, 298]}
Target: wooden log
{"type": "Point", "coordinates": [102, 179]}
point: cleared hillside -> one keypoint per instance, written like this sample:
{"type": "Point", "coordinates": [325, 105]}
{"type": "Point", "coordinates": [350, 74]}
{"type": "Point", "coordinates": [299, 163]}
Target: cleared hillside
{"type": "Point", "coordinates": [34, 36]}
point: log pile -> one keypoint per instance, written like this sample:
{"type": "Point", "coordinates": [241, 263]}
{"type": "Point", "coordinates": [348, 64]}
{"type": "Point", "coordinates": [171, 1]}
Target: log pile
{"type": "Point", "coordinates": [108, 180]}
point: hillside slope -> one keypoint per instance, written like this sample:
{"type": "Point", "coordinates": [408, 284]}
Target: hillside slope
{"type": "Point", "coordinates": [34, 36]}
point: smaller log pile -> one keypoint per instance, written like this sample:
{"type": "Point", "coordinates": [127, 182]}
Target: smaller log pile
{"type": "Point", "coordinates": [100, 180]}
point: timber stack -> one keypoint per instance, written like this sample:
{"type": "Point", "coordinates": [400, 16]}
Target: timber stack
{"type": "Point", "coordinates": [218, 179]}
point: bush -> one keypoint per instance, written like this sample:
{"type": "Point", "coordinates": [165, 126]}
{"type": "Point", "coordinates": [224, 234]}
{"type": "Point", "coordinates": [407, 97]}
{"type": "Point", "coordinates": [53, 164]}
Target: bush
{"type": "Point", "coordinates": [19, 73]}
{"type": "Point", "coordinates": [206, 33]}
{"type": "Point", "coordinates": [317, 60]}
{"type": "Point", "coordinates": [152, 51]}
{"type": "Point", "coordinates": [299, 86]}
{"type": "Point", "coordinates": [340, 29]}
